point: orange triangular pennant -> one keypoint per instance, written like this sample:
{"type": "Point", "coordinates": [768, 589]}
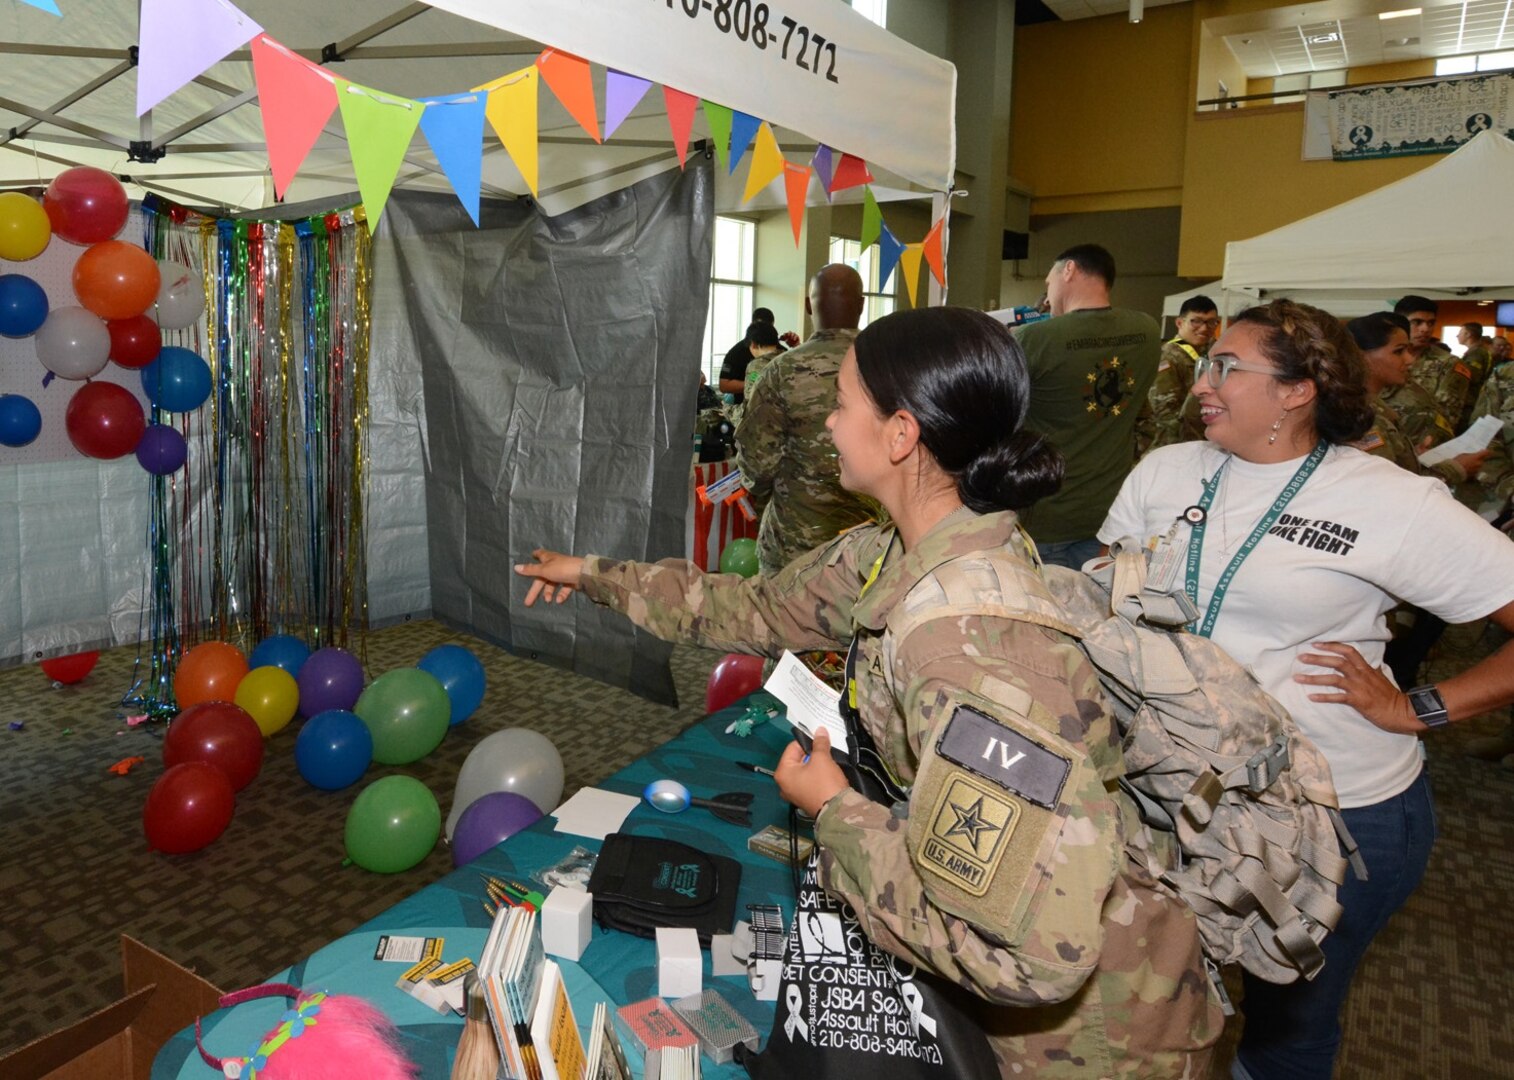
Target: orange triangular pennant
{"type": "Point", "coordinates": [681, 108]}
{"type": "Point", "coordinates": [796, 185]}
{"type": "Point", "coordinates": [570, 80]}
{"type": "Point", "coordinates": [850, 172]}
{"type": "Point", "coordinates": [932, 249]}
{"type": "Point", "coordinates": [296, 99]}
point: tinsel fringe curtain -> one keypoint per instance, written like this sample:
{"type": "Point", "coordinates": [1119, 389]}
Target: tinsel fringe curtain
{"type": "Point", "coordinates": [262, 532]}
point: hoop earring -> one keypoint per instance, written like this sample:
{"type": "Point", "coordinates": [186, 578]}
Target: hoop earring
{"type": "Point", "coordinates": [1276, 427]}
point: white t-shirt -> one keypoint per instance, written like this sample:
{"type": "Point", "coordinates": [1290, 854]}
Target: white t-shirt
{"type": "Point", "coordinates": [1361, 535]}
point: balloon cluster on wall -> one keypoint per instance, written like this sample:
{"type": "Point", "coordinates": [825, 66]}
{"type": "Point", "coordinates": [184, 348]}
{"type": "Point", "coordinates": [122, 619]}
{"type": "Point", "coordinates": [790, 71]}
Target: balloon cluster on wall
{"type": "Point", "coordinates": [126, 299]}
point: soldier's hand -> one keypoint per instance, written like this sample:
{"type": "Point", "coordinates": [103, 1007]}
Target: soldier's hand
{"type": "Point", "coordinates": [1360, 685]}
{"type": "Point", "coordinates": [1470, 463]}
{"type": "Point", "coordinates": [557, 576]}
{"type": "Point", "coordinates": [810, 784]}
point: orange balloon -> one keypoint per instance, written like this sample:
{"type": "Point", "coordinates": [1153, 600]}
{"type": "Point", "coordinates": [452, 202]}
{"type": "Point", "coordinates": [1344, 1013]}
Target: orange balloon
{"type": "Point", "coordinates": [116, 280]}
{"type": "Point", "coordinates": [209, 672]}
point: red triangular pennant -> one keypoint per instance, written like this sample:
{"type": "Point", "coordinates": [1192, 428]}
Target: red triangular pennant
{"type": "Point", "coordinates": [932, 249]}
{"type": "Point", "coordinates": [850, 172]}
{"type": "Point", "coordinates": [296, 99]}
{"type": "Point", "coordinates": [681, 108]}
{"type": "Point", "coordinates": [796, 185]}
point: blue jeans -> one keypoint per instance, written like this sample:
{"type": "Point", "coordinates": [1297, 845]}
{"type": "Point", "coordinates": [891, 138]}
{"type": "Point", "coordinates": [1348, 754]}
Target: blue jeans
{"type": "Point", "coordinates": [1069, 553]}
{"type": "Point", "coordinates": [1292, 1032]}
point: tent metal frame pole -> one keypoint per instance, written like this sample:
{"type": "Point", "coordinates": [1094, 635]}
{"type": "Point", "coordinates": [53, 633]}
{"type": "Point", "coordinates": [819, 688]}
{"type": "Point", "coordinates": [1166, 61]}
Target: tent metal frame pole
{"type": "Point", "coordinates": [50, 114]}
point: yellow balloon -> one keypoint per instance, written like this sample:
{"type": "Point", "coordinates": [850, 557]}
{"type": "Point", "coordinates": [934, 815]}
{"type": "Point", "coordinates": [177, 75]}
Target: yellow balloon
{"type": "Point", "coordinates": [24, 228]}
{"type": "Point", "coordinates": [270, 696]}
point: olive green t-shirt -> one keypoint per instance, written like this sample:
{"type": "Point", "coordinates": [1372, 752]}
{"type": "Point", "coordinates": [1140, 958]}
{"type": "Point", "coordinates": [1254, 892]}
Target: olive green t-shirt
{"type": "Point", "coordinates": [1090, 372]}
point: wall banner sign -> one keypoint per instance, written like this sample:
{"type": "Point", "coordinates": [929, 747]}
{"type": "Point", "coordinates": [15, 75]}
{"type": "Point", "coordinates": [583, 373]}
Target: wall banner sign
{"type": "Point", "coordinates": [1419, 118]}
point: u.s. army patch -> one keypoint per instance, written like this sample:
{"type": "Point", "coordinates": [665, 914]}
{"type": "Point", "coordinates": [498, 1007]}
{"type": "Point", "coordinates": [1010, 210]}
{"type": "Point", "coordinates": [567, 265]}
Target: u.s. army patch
{"type": "Point", "coordinates": [969, 832]}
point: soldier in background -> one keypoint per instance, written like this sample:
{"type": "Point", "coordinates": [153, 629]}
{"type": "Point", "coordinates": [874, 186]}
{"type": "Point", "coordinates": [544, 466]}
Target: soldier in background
{"type": "Point", "coordinates": [1006, 875]}
{"type": "Point", "coordinates": [783, 449]}
{"type": "Point", "coordinates": [1478, 360]}
{"type": "Point", "coordinates": [1435, 367]}
{"type": "Point", "coordinates": [1167, 421]}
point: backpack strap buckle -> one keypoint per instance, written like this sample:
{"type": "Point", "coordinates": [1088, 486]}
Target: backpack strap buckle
{"type": "Point", "coordinates": [1266, 765]}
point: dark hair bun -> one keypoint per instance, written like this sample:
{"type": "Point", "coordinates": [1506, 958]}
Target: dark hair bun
{"type": "Point", "coordinates": [1011, 475]}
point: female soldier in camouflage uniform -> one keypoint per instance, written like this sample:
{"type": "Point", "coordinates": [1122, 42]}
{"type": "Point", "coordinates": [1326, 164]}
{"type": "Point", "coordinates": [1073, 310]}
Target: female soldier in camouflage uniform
{"type": "Point", "coordinates": [1005, 871]}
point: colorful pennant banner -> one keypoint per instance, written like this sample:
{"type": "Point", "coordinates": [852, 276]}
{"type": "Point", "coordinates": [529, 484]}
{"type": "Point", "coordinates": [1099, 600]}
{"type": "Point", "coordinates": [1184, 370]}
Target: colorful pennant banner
{"type": "Point", "coordinates": [511, 112]}
{"type": "Point", "coordinates": [454, 127]}
{"type": "Point", "coordinates": [622, 94]}
{"type": "Point", "coordinates": [379, 130]}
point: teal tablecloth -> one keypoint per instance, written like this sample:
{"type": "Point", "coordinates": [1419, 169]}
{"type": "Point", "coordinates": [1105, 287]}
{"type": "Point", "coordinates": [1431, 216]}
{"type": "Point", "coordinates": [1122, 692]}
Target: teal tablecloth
{"type": "Point", "coordinates": [616, 967]}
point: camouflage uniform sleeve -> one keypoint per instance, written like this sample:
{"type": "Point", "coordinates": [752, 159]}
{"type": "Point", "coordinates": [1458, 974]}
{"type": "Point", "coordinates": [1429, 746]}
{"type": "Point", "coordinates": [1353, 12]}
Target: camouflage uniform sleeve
{"type": "Point", "coordinates": [760, 436]}
{"type": "Point", "coordinates": [1166, 399]}
{"type": "Point", "coordinates": [1497, 399]}
{"type": "Point", "coordinates": [806, 606]}
{"type": "Point", "coordinates": [993, 878]}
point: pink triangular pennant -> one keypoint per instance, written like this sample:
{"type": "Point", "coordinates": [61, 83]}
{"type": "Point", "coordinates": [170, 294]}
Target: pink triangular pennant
{"type": "Point", "coordinates": [850, 172]}
{"type": "Point", "coordinates": [296, 98]}
{"type": "Point", "coordinates": [681, 108]}
{"type": "Point", "coordinates": [569, 78]}
{"type": "Point", "coordinates": [796, 185]}
{"type": "Point", "coordinates": [931, 246]}
{"type": "Point", "coordinates": [180, 39]}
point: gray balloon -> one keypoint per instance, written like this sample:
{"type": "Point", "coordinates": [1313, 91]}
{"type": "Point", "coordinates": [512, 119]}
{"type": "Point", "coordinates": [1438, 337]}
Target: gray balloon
{"type": "Point", "coordinates": [515, 759]}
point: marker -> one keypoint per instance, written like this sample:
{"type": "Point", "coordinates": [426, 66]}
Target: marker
{"type": "Point", "coordinates": [749, 767]}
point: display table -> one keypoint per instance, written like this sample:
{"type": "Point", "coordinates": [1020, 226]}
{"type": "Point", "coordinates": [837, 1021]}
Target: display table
{"type": "Point", "coordinates": [616, 967]}
{"type": "Point", "coordinates": [711, 528]}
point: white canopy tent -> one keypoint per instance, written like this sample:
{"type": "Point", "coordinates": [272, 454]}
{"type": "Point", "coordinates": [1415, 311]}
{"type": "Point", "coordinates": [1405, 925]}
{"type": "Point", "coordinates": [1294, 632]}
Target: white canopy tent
{"type": "Point", "coordinates": [74, 87]}
{"type": "Point", "coordinates": [1445, 231]}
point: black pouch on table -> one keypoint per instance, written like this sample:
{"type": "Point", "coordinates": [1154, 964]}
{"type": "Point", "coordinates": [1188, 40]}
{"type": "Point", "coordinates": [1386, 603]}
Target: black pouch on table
{"type": "Point", "coordinates": [641, 883]}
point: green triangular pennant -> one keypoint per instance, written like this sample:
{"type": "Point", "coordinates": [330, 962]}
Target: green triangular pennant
{"type": "Point", "coordinates": [379, 129]}
{"type": "Point", "coordinates": [872, 219]}
{"type": "Point", "coordinates": [718, 117]}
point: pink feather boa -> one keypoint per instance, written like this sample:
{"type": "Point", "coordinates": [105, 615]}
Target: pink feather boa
{"type": "Point", "coordinates": [348, 1038]}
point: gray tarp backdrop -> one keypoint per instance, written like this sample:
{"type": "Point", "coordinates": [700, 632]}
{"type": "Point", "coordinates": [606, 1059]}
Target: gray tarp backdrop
{"type": "Point", "coordinates": [558, 361]}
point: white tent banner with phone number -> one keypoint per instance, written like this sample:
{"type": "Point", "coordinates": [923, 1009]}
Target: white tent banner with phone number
{"type": "Point", "coordinates": [815, 67]}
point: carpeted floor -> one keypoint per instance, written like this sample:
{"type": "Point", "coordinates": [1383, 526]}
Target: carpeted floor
{"type": "Point", "coordinates": [1432, 999]}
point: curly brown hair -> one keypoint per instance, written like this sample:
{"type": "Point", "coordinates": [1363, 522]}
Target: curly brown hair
{"type": "Point", "coordinates": [1307, 343]}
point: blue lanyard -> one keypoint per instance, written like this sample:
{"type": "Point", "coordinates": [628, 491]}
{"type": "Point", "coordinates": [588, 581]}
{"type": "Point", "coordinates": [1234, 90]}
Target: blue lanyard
{"type": "Point", "coordinates": [1196, 539]}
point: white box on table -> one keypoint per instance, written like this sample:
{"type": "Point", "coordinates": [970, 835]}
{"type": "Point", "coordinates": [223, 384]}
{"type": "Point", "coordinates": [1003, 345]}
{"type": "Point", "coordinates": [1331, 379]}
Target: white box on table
{"type": "Point", "coordinates": [567, 922]}
{"type": "Point", "coordinates": [680, 967]}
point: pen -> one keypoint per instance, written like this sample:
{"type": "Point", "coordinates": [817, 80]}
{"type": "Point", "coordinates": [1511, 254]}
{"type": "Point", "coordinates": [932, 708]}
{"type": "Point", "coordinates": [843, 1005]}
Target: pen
{"type": "Point", "coordinates": [749, 767]}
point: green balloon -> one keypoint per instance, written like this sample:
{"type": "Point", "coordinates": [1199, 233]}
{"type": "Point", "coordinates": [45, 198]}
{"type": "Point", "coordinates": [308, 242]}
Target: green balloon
{"type": "Point", "coordinates": [739, 557]}
{"type": "Point", "coordinates": [407, 712]}
{"type": "Point", "coordinates": [393, 824]}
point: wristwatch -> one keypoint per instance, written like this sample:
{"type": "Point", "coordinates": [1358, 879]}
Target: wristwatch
{"type": "Point", "coordinates": [1428, 706]}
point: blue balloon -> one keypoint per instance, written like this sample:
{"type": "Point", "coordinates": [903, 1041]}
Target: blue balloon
{"type": "Point", "coordinates": [177, 381]}
{"type": "Point", "coordinates": [20, 420]}
{"type": "Point", "coordinates": [333, 750]}
{"type": "Point", "coordinates": [23, 305]}
{"type": "Point", "coordinates": [280, 651]}
{"type": "Point", "coordinates": [460, 674]}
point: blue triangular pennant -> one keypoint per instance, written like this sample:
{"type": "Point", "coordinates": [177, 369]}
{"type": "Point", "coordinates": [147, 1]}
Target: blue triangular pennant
{"type": "Point", "coordinates": [743, 128]}
{"type": "Point", "coordinates": [454, 127]}
{"type": "Point", "coordinates": [889, 251]}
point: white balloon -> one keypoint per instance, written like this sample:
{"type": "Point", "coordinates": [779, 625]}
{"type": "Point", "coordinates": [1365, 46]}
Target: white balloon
{"type": "Point", "coordinates": [181, 296]}
{"type": "Point", "coordinates": [515, 759]}
{"type": "Point", "coordinates": [73, 343]}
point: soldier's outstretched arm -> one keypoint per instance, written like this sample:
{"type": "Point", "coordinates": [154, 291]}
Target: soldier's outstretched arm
{"type": "Point", "coordinates": [995, 872]}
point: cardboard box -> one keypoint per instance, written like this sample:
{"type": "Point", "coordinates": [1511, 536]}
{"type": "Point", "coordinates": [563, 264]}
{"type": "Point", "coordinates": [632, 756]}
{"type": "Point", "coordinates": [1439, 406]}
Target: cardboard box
{"type": "Point", "coordinates": [120, 1041]}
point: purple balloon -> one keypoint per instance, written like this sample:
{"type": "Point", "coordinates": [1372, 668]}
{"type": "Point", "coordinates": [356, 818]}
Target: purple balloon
{"type": "Point", "coordinates": [162, 450]}
{"type": "Point", "coordinates": [331, 679]}
{"type": "Point", "coordinates": [490, 820]}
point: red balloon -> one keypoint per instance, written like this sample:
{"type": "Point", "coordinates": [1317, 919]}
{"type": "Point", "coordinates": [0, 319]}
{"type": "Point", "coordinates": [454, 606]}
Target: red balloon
{"type": "Point", "coordinates": [104, 420]}
{"type": "Point", "coordinates": [70, 669]}
{"type": "Point", "coordinates": [209, 672]}
{"type": "Point", "coordinates": [187, 808]}
{"type": "Point", "coordinates": [85, 205]}
{"type": "Point", "coordinates": [134, 342]}
{"type": "Point", "coordinates": [734, 677]}
{"type": "Point", "coordinates": [220, 734]}
{"type": "Point", "coordinates": [116, 280]}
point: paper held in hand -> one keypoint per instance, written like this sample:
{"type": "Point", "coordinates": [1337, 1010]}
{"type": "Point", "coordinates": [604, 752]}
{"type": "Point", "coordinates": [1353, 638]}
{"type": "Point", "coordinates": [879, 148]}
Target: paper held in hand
{"type": "Point", "coordinates": [1475, 438]}
{"type": "Point", "coordinates": [811, 703]}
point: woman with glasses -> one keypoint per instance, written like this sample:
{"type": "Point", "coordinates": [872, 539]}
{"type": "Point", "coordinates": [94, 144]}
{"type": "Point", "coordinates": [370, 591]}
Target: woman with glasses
{"type": "Point", "coordinates": [1298, 546]}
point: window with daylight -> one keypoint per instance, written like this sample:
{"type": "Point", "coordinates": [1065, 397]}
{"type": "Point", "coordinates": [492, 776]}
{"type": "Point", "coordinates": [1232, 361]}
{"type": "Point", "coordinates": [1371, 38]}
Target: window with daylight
{"type": "Point", "coordinates": [1465, 65]}
{"type": "Point", "coordinates": [878, 302]}
{"type": "Point", "coordinates": [872, 10]}
{"type": "Point", "coordinates": [733, 277]}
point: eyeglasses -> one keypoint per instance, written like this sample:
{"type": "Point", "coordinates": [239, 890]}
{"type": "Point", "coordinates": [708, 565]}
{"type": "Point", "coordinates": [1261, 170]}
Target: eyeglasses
{"type": "Point", "coordinates": [1212, 324]}
{"type": "Point", "coordinates": [1218, 368]}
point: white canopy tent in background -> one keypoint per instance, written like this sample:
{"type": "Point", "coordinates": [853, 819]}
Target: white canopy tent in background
{"type": "Point", "coordinates": [891, 104]}
{"type": "Point", "coordinates": [1445, 231]}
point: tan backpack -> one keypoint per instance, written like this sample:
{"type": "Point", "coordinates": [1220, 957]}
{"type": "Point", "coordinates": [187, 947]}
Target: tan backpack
{"type": "Point", "coordinates": [1217, 765]}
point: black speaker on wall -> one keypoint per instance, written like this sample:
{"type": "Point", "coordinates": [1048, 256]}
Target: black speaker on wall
{"type": "Point", "coordinates": [1016, 245]}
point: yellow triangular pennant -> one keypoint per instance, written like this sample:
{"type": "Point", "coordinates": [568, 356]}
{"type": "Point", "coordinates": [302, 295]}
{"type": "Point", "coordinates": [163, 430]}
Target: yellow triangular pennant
{"type": "Point", "coordinates": [909, 265]}
{"type": "Point", "coordinates": [379, 129]}
{"type": "Point", "coordinates": [512, 114]}
{"type": "Point", "coordinates": [767, 163]}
